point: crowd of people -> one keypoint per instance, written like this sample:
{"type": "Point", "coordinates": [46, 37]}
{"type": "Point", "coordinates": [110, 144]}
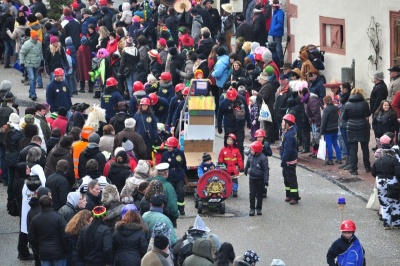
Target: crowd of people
{"type": "Point", "coordinates": [94, 165]}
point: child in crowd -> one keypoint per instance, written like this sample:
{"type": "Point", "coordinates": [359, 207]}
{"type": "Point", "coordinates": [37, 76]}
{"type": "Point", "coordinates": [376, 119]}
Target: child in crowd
{"type": "Point", "coordinates": [205, 166]}
{"type": "Point", "coordinates": [260, 136]}
{"type": "Point", "coordinates": [231, 157]}
{"type": "Point", "coordinates": [255, 124]}
{"type": "Point", "coordinates": [258, 170]}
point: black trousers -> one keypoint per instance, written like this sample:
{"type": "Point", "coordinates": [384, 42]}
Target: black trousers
{"type": "Point", "coordinates": [290, 181]}
{"type": "Point", "coordinates": [239, 133]}
{"type": "Point", "coordinates": [305, 137]}
{"type": "Point", "coordinates": [180, 193]}
{"type": "Point", "coordinates": [269, 128]}
{"type": "Point", "coordinates": [256, 191]}
{"type": "Point", "coordinates": [23, 249]}
{"type": "Point", "coordinates": [353, 155]}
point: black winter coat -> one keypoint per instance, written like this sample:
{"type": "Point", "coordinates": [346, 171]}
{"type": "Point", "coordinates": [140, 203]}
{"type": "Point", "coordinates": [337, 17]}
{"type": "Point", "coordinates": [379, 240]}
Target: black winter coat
{"type": "Point", "coordinates": [93, 40]}
{"type": "Point", "coordinates": [356, 113]}
{"type": "Point", "coordinates": [378, 94]}
{"type": "Point", "coordinates": [12, 146]}
{"type": "Point", "coordinates": [118, 121]}
{"type": "Point", "coordinates": [177, 62]}
{"type": "Point", "coordinates": [87, 154]}
{"type": "Point", "coordinates": [267, 93]}
{"type": "Point", "coordinates": [246, 31]}
{"type": "Point", "coordinates": [56, 154]}
{"type": "Point", "coordinates": [118, 174]}
{"type": "Point", "coordinates": [51, 143]}
{"type": "Point", "coordinates": [41, 8]}
{"type": "Point", "coordinates": [260, 35]}
{"type": "Point", "coordinates": [281, 104]}
{"type": "Point", "coordinates": [383, 123]}
{"type": "Point", "coordinates": [95, 249]}
{"type": "Point", "coordinates": [92, 201]}
{"type": "Point", "coordinates": [386, 166]}
{"type": "Point", "coordinates": [330, 120]}
{"type": "Point", "coordinates": [7, 21]}
{"type": "Point", "coordinates": [58, 184]}
{"type": "Point", "coordinates": [205, 47]}
{"type": "Point", "coordinates": [24, 153]}
{"type": "Point", "coordinates": [50, 240]}
{"type": "Point", "coordinates": [257, 167]}
{"type": "Point", "coordinates": [344, 98]}
{"type": "Point", "coordinates": [58, 60]}
{"type": "Point", "coordinates": [129, 244]}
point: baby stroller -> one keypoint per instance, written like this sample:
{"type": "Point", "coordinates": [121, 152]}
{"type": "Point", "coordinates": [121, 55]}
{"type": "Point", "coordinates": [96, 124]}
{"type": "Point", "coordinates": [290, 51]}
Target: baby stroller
{"type": "Point", "coordinates": [212, 189]}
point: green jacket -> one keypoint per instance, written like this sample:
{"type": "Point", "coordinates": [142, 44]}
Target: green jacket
{"type": "Point", "coordinates": [31, 54]}
{"type": "Point", "coordinates": [153, 216]}
{"type": "Point", "coordinates": [170, 194]}
{"type": "Point", "coordinates": [203, 252]}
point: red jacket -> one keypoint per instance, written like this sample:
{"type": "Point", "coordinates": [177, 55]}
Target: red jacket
{"type": "Point", "coordinates": [132, 164]}
{"type": "Point", "coordinates": [396, 103]}
{"type": "Point", "coordinates": [61, 123]}
{"type": "Point", "coordinates": [231, 157]}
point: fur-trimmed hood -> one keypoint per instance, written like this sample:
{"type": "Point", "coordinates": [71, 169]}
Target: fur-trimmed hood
{"type": "Point", "coordinates": [127, 228]}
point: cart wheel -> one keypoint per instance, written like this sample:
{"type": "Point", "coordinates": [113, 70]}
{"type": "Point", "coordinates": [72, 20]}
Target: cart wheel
{"type": "Point", "coordinates": [200, 207]}
{"type": "Point", "coordinates": [222, 208]}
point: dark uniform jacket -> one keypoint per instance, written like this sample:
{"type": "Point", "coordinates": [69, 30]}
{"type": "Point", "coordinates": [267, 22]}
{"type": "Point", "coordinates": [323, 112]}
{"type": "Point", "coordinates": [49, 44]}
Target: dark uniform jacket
{"type": "Point", "coordinates": [177, 164]}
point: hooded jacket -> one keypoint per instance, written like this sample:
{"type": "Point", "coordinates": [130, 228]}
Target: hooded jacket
{"type": "Point", "coordinates": [70, 208]}
{"type": "Point", "coordinates": [203, 253]}
{"type": "Point", "coordinates": [129, 59]}
{"type": "Point", "coordinates": [118, 174]}
{"type": "Point", "coordinates": [126, 13]}
{"type": "Point", "coordinates": [205, 46]}
{"type": "Point", "coordinates": [31, 53]}
{"type": "Point", "coordinates": [196, 27]}
{"type": "Point", "coordinates": [16, 35]}
{"type": "Point", "coordinates": [92, 151]}
{"type": "Point", "coordinates": [86, 22]}
{"type": "Point", "coordinates": [221, 70]}
{"type": "Point", "coordinates": [58, 185]}
{"type": "Point", "coordinates": [330, 120]}
{"type": "Point", "coordinates": [129, 244]}
{"type": "Point", "coordinates": [313, 109]}
{"type": "Point", "coordinates": [356, 113]}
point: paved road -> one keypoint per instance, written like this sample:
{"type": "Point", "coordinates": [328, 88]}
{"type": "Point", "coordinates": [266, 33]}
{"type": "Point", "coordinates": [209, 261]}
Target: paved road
{"type": "Point", "coordinates": [299, 235]}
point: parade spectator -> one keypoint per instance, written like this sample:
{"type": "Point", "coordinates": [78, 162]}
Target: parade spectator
{"type": "Point", "coordinates": [58, 184]}
{"type": "Point", "coordinates": [132, 183]}
{"type": "Point", "coordinates": [111, 200]}
{"type": "Point", "coordinates": [129, 239]}
{"type": "Point", "coordinates": [356, 113]}
{"type": "Point", "coordinates": [95, 241]}
{"type": "Point", "coordinates": [316, 84]}
{"type": "Point", "coordinates": [107, 140]}
{"type": "Point", "coordinates": [277, 27]}
{"type": "Point", "coordinates": [76, 202]}
{"type": "Point", "coordinates": [73, 229]}
{"type": "Point", "coordinates": [30, 56]}
{"type": "Point", "coordinates": [378, 94]}
{"type": "Point", "coordinates": [47, 234]}
{"type": "Point", "coordinates": [227, 24]}
{"type": "Point", "coordinates": [159, 253]}
{"type": "Point", "coordinates": [117, 121]}
{"type": "Point", "coordinates": [394, 85]}
{"type": "Point", "coordinates": [344, 98]}
{"type": "Point", "coordinates": [84, 65]}
{"type": "Point", "coordinates": [203, 253]}
{"type": "Point", "coordinates": [188, 73]}
{"type": "Point", "coordinates": [329, 128]}
{"type": "Point", "coordinates": [205, 43]}
{"type": "Point", "coordinates": [120, 170]}
{"type": "Point", "coordinates": [61, 122]}
{"type": "Point", "coordinates": [139, 145]}
{"type": "Point", "coordinates": [55, 58]}
{"type": "Point", "coordinates": [93, 173]}
{"type": "Point", "coordinates": [384, 120]}
{"type": "Point", "coordinates": [92, 151]}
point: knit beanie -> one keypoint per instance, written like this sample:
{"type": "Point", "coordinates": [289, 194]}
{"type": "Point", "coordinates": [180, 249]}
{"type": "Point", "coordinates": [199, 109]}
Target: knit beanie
{"type": "Point", "coordinates": [14, 118]}
{"type": "Point", "coordinates": [267, 56]}
{"type": "Point", "coordinates": [84, 40]}
{"type": "Point", "coordinates": [53, 39]}
{"type": "Point", "coordinates": [142, 167]}
{"type": "Point", "coordinates": [94, 137]}
{"type": "Point", "coordinates": [29, 119]}
{"type": "Point", "coordinates": [269, 70]}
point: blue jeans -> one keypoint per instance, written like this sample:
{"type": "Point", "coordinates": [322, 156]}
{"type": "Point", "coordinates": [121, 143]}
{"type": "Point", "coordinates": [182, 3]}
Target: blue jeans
{"type": "Point", "coordinates": [54, 262]}
{"type": "Point", "coordinates": [332, 140]}
{"type": "Point", "coordinates": [69, 79]}
{"type": "Point", "coordinates": [279, 49]}
{"type": "Point", "coordinates": [39, 80]}
{"type": "Point", "coordinates": [9, 47]}
{"type": "Point", "coordinates": [343, 131]}
{"type": "Point", "coordinates": [130, 80]}
{"type": "Point", "coordinates": [32, 75]}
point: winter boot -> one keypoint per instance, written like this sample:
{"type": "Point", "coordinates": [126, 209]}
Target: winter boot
{"type": "Point", "coordinates": [294, 198]}
{"type": "Point", "coordinates": [252, 212]}
{"type": "Point", "coordinates": [347, 161]}
{"type": "Point", "coordinates": [287, 199]}
{"type": "Point", "coordinates": [347, 167]}
{"type": "Point", "coordinates": [259, 212]}
{"type": "Point", "coordinates": [96, 95]}
{"type": "Point", "coordinates": [181, 210]}
{"type": "Point", "coordinates": [234, 194]}
{"type": "Point", "coordinates": [91, 85]}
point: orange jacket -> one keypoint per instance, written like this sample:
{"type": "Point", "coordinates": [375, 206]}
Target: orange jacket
{"type": "Point", "coordinates": [77, 149]}
{"type": "Point", "coordinates": [231, 157]}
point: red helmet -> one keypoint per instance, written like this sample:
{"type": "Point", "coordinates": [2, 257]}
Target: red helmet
{"type": "Point", "coordinates": [111, 82]}
{"type": "Point", "coordinates": [290, 118]}
{"type": "Point", "coordinates": [179, 87]}
{"type": "Point", "coordinates": [256, 146]}
{"type": "Point", "coordinates": [260, 133]}
{"type": "Point", "coordinates": [58, 72]}
{"type": "Point", "coordinates": [145, 101]}
{"type": "Point", "coordinates": [348, 226]}
{"type": "Point", "coordinates": [172, 142]}
{"type": "Point", "coordinates": [166, 76]}
{"type": "Point", "coordinates": [138, 86]}
{"type": "Point", "coordinates": [153, 98]}
{"type": "Point", "coordinates": [186, 91]}
{"type": "Point", "coordinates": [233, 136]}
{"type": "Point", "coordinates": [231, 94]}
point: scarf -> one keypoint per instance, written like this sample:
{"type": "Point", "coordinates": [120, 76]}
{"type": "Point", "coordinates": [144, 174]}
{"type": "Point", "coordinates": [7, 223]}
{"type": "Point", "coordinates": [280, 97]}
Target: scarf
{"type": "Point", "coordinates": [69, 18]}
{"type": "Point", "coordinates": [383, 117]}
{"type": "Point", "coordinates": [283, 90]}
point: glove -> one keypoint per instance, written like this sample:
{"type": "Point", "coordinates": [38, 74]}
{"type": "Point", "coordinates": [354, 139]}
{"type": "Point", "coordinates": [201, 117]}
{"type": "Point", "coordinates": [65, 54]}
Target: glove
{"type": "Point", "coordinates": [266, 184]}
{"type": "Point", "coordinates": [219, 130]}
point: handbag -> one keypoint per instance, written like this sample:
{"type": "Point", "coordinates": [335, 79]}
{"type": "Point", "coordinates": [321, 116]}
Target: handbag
{"type": "Point", "coordinates": [265, 114]}
{"type": "Point", "coordinates": [393, 191]}
{"type": "Point", "coordinates": [373, 202]}
{"type": "Point", "coordinates": [17, 66]}
{"type": "Point", "coordinates": [321, 149]}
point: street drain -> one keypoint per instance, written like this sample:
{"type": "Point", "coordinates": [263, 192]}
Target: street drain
{"type": "Point", "coordinates": [347, 179]}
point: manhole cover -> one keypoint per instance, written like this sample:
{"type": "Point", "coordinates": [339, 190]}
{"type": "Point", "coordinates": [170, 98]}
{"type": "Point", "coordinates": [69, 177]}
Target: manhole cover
{"type": "Point", "coordinates": [347, 179]}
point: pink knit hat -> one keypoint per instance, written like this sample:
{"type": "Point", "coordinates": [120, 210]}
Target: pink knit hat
{"type": "Point", "coordinates": [53, 39]}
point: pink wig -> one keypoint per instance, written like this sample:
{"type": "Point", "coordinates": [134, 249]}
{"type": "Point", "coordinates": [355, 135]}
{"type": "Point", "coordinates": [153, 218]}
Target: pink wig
{"type": "Point", "coordinates": [102, 53]}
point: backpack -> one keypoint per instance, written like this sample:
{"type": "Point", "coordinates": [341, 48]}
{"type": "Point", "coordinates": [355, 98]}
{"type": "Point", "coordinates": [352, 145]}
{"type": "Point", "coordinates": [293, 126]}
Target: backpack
{"type": "Point", "coordinates": [354, 255]}
{"type": "Point", "coordinates": [239, 111]}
